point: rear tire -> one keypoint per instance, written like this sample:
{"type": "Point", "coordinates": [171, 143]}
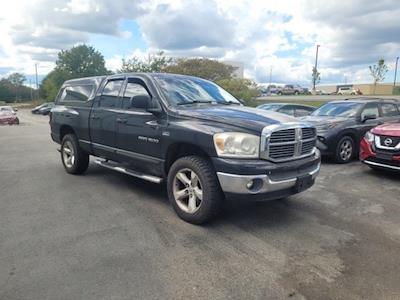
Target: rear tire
{"type": "Point", "coordinates": [194, 190]}
{"type": "Point", "coordinates": [345, 150]}
{"type": "Point", "coordinates": [74, 159]}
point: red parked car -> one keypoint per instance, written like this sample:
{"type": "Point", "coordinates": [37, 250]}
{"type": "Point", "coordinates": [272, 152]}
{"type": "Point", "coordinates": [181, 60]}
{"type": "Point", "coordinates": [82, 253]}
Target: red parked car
{"type": "Point", "coordinates": [380, 148]}
{"type": "Point", "coordinates": [8, 116]}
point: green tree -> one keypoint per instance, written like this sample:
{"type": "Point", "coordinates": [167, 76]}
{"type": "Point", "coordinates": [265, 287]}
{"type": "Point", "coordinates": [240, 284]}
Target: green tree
{"type": "Point", "coordinates": [201, 67]}
{"type": "Point", "coordinates": [154, 63]}
{"type": "Point", "coordinates": [243, 89]}
{"type": "Point", "coordinates": [378, 72]}
{"type": "Point", "coordinates": [17, 80]}
{"type": "Point", "coordinates": [81, 61]}
{"type": "Point", "coordinates": [315, 76]}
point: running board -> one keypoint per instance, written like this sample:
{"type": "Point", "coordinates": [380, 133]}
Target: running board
{"type": "Point", "coordinates": [117, 167]}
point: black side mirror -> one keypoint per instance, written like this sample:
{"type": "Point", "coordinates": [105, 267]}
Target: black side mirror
{"type": "Point", "coordinates": [368, 117]}
{"type": "Point", "coordinates": [140, 102]}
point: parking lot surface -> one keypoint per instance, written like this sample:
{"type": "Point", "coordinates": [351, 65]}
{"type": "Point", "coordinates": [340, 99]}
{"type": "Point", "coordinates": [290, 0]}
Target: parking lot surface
{"type": "Point", "coordinates": [105, 235]}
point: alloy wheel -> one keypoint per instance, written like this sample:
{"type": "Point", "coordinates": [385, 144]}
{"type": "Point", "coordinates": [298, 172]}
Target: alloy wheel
{"type": "Point", "coordinates": [187, 190]}
{"type": "Point", "coordinates": [68, 154]}
{"type": "Point", "coordinates": [346, 150]}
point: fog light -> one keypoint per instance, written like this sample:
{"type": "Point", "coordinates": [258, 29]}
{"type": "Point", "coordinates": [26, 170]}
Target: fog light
{"type": "Point", "coordinates": [250, 184]}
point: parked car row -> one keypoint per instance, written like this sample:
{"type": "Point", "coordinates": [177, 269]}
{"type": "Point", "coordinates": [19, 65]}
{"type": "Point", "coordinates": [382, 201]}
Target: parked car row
{"type": "Point", "coordinates": [343, 128]}
{"type": "Point", "coordinates": [8, 116]}
{"type": "Point", "coordinates": [287, 89]}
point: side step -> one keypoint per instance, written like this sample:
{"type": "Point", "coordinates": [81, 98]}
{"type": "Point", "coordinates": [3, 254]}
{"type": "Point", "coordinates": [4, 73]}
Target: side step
{"type": "Point", "coordinates": [117, 167]}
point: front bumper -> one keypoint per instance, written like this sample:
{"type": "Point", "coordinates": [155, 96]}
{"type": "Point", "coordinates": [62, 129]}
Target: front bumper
{"type": "Point", "coordinates": [380, 159]}
{"type": "Point", "coordinates": [275, 181]}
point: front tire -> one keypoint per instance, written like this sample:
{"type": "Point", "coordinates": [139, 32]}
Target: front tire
{"type": "Point", "coordinates": [193, 189]}
{"type": "Point", "coordinates": [74, 159]}
{"type": "Point", "coordinates": [345, 150]}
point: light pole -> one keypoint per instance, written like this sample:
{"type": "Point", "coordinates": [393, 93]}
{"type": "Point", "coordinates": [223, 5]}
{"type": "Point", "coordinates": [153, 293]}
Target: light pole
{"type": "Point", "coordinates": [395, 71]}
{"type": "Point", "coordinates": [315, 67]}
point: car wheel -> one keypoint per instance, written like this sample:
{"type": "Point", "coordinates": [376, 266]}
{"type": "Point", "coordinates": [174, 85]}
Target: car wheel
{"type": "Point", "coordinates": [344, 150]}
{"type": "Point", "coordinates": [74, 159]}
{"type": "Point", "coordinates": [16, 121]}
{"type": "Point", "coordinates": [339, 94]}
{"type": "Point", "coordinates": [193, 189]}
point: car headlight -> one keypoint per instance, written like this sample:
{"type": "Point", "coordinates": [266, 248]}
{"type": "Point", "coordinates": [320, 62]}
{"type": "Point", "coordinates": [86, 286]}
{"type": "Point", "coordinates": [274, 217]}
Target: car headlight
{"type": "Point", "coordinates": [237, 144]}
{"type": "Point", "coordinates": [369, 136]}
{"type": "Point", "coordinates": [325, 127]}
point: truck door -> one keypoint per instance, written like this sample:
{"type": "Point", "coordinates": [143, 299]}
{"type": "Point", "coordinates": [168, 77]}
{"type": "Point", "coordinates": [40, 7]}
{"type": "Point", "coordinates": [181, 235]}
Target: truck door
{"type": "Point", "coordinates": [103, 119]}
{"type": "Point", "coordinates": [138, 131]}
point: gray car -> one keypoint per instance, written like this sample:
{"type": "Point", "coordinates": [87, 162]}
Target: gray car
{"type": "Point", "coordinates": [292, 109]}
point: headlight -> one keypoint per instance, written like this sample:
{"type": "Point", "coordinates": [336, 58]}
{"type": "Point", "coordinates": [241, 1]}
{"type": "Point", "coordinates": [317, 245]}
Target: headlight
{"type": "Point", "coordinates": [325, 127]}
{"type": "Point", "coordinates": [237, 144]}
{"type": "Point", "coordinates": [370, 137]}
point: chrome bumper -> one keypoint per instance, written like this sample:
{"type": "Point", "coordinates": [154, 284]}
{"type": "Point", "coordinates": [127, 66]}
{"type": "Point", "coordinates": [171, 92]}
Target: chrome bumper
{"type": "Point", "coordinates": [237, 184]}
{"type": "Point", "coordinates": [380, 165]}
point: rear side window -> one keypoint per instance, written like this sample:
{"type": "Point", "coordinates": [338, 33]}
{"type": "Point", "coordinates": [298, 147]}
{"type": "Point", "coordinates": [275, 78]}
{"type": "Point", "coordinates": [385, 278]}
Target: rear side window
{"type": "Point", "coordinates": [288, 109]}
{"type": "Point", "coordinates": [109, 97]}
{"type": "Point", "coordinates": [389, 110]}
{"type": "Point", "coordinates": [303, 111]}
{"type": "Point", "coordinates": [77, 93]}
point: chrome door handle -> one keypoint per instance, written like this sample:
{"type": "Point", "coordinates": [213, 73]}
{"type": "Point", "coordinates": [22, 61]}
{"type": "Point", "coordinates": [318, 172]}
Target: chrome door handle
{"type": "Point", "coordinates": [94, 117]}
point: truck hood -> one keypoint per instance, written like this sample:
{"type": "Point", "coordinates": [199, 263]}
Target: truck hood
{"type": "Point", "coordinates": [391, 129]}
{"type": "Point", "coordinates": [240, 116]}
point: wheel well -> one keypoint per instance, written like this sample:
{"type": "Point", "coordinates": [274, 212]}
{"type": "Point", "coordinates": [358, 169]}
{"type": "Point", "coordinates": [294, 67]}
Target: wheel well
{"type": "Point", "coordinates": [65, 129]}
{"type": "Point", "coordinates": [179, 150]}
{"type": "Point", "coordinates": [354, 138]}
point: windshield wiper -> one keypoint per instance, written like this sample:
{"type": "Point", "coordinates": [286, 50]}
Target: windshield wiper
{"type": "Point", "coordinates": [228, 103]}
{"type": "Point", "coordinates": [194, 102]}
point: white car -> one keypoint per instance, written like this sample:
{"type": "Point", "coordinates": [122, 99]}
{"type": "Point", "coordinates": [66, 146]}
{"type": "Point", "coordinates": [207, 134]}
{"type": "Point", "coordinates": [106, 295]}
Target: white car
{"type": "Point", "coordinates": [346, 91]}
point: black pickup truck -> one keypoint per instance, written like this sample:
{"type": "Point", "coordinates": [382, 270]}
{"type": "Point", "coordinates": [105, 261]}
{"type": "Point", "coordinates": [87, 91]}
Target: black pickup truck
{"type": "Point", "coordinates": [187, 132]}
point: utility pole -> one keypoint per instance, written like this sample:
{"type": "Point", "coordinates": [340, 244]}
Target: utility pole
{"type": "Point", "coordinates": [395, 71]}
{"type": "Point", "coordinates": [30, 87]}
{"type": "Point", "coordinates": [37, 85]}
{"type": "Point", "coordinates": [315, 66]}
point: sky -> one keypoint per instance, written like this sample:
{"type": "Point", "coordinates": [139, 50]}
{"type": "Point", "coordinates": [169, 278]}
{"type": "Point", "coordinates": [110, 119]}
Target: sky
{"type": "Point", "coordinates": [262, 35]}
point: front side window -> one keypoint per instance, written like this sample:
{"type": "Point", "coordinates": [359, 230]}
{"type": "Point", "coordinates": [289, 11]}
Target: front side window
{"type": "Point", "coordinates": [338, 109]}
{"type": "Point", "coordinates": [370, 109]}
{"type": "Point", "coordinates": [188, 90]}
{"type": "Point", "coordinates": [109, 97]}
{"type": "Point", "coordinates": [389, 110]}
{"type": "Point", "coordinates": [132, 89]}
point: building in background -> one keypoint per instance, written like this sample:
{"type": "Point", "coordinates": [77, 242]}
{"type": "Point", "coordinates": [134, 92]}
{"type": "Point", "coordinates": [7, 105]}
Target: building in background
{"type": "Point", "coordinates": [365, 88]}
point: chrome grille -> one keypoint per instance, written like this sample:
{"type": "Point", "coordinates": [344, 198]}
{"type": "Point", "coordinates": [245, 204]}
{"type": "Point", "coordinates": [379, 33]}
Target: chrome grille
{"type": "Point", "coordinates": [287, 135]}
{"type": "Point", "coordinates": [308, 133]}
{"type": "Point", "coordinates": [287, 142]}
{"type": "Point", "coordinates": [307, 147]}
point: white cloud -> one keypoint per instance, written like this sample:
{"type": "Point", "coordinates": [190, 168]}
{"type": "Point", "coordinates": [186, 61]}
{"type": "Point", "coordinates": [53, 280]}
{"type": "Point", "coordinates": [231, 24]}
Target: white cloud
{"type": "Point", "coordinates": [261, 34]}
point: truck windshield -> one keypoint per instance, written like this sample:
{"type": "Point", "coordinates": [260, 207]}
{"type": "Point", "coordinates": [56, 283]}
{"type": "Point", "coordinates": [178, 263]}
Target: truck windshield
{"type": "Point", "coordinates": [338, 109]}
{"type": "Point", "coordinates": [189, 90]}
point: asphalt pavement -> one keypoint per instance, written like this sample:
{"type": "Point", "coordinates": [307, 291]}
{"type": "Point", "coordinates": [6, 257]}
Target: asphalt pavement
{"type": "Point", "coordinates": [105, 235]}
